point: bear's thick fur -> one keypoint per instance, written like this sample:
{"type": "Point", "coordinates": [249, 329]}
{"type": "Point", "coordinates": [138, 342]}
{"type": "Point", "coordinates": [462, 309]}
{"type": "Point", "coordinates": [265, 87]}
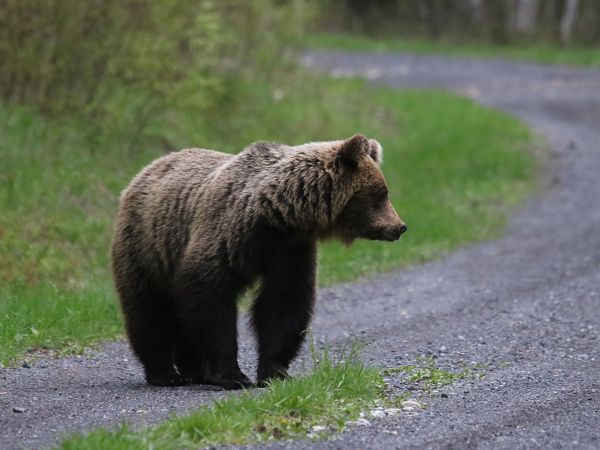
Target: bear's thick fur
{"type": "Point", "coordinates": [197, 227]}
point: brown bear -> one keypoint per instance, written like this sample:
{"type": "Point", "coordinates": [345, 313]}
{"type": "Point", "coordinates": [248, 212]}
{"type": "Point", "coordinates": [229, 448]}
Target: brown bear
{"type": "Point", "coordinates": [197, 227]}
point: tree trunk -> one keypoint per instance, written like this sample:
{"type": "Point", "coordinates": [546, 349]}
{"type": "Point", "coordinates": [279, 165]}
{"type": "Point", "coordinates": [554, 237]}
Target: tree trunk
{"type": "Point", "coordinates": [429, 9]}
{"type": "Point", "coordinates": [477, 11]}
{"type": "Point", "coordinates": [497, 15]}
{"type": "Point", "coordinates": [526, 16]}
{"type": "Point", "coordinates": [568, 20]}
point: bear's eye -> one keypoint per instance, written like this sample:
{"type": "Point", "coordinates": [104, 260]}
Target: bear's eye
{"type": "Point", "coordinates": [381, 196]}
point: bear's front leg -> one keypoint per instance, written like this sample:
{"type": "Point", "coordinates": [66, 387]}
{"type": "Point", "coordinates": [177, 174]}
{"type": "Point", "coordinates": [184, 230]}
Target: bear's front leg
{"type": "Point", "coordinates": [206, 316]}
{"type": "Point", "coordinates": [282, 310]}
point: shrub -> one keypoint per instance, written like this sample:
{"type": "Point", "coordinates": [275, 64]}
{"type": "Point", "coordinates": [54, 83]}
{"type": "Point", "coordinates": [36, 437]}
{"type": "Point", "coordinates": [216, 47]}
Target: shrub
{"type": "Point", "coordinates": [65, 55]}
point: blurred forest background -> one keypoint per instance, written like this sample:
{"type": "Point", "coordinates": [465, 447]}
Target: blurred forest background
{"type": "Point", "coordinates": [496, 21]}
{"type": "Point", "coordinates": [92, 90]}
{"type": "Point", "coordinates": [64, 54]}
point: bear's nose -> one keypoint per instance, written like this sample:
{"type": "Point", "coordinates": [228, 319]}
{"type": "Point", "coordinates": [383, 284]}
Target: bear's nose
{"type": "Point", "coordinates": [393, 233]}
{"type": "Point", "coordinates": [403, 228]}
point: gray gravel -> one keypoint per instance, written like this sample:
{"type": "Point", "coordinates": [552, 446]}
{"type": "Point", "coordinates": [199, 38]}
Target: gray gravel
{"type": "Point", "coordinates": [526, 305]}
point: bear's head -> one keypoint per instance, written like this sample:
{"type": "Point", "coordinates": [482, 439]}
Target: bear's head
{"type": "Point", "coordinates": [364, 208]}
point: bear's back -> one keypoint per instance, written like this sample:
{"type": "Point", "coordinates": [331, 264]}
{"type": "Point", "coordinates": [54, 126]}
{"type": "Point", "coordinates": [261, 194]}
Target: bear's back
{"type": "Point", "coordinates": [177, 168]}
{"type": "Point", "coordinates": [157, 208]}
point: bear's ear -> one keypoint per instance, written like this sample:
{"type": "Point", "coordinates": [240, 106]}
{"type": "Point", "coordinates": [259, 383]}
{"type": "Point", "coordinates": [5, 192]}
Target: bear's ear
{"type": "Point", "coordinates": [376, 151]}
{"type": "Point", "coordinates": [352, 150]}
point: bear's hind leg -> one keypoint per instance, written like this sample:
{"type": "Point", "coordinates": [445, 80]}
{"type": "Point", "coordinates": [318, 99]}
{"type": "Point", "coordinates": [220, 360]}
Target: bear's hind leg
{"type": "Point", "coordinates": [147, 321]}
{"type": "Point", "coordinates": [281, 312]}
{"type": "Point", "coordinates": [207, 318]}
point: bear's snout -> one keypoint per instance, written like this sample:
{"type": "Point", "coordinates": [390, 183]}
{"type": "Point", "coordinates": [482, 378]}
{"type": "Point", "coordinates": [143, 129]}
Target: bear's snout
{"type": "Point", "coordinates": [393, 233]}
{"type": "Point", "coordinates": [391, 226]}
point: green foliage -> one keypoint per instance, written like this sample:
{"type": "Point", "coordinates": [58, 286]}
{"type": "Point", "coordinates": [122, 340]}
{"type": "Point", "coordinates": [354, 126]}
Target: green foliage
{"type": "Point", "coordinates": [335, 392]}
{"type": "Point", "coordinates": [70, 55]}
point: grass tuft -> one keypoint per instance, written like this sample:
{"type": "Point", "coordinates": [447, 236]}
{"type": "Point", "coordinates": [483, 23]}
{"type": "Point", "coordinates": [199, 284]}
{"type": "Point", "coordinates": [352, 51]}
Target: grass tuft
{"type": "Point", "coordinates": [339, 390]}
{"type": "Point", "coordinates": [334, 393]}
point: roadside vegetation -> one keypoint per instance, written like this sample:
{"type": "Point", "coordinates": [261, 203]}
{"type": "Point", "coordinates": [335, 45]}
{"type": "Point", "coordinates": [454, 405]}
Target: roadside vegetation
{"type": "Point", "coordinates": [337, 392]}
{"type": "Point", "coordinates": [88, 96]}
{"type": "Point", "coordinates": [584, 56]}
{"type": "Point", "coordinates": [426, 375]}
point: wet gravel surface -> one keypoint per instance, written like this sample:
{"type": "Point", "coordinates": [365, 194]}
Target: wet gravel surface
{"type": "Point", "coordinates": [526, 306]}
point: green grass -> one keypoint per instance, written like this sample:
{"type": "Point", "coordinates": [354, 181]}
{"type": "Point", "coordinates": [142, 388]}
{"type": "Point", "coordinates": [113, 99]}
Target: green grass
{"type": "Point", "coordinates": [337, 391]}
{"type": "Point", "coordinates": [548, 54]}
{"type": "Point", "coordinates": [45, 317]}
{"type": "Point", "coordinates": [452, 168]}
{"type": "Point", "coordinates": [426, 374]}
{"type": "Point", "coordinates": [334, 393]}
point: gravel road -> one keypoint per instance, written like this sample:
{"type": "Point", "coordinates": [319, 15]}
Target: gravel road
{"type": "Point", "coordinates": [527, 305]}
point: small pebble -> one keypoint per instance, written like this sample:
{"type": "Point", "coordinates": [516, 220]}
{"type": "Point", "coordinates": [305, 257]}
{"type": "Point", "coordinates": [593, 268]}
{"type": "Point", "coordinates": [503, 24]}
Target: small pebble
{"type": "Point", "coordinates": [409, 405]}
{"type": "Point", "coordinates": [362, 422]}
{"type": "Point", "coordinates": [16, 409]}
{"type": "Point", "coordinates": [378, 413]}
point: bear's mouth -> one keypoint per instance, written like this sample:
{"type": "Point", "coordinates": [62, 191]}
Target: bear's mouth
{"type": "Point", "coordinates": [388, 234]}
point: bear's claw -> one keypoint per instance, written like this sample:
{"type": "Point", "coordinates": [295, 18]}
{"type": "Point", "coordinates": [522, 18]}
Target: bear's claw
{"type": "Point", "coordinates": [227, 382]}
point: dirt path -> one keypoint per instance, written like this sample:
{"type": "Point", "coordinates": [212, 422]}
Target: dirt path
{"type": "Point", "coordinates": [527, 305]}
